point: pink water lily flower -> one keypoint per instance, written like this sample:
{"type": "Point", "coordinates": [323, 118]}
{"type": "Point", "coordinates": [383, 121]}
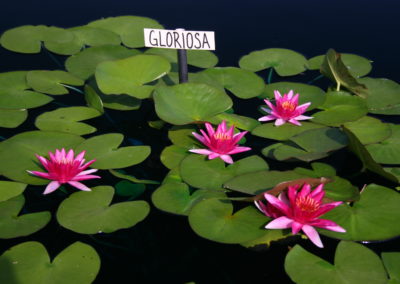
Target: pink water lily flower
{"type": "Point", "coordinates": [300, 210]}
{"type": "Point", "coordinates": [65, 168]}
{"type": "Point", "coordinates": [221, 143]}
{"type": "Point", "coordinates": [286, 109]}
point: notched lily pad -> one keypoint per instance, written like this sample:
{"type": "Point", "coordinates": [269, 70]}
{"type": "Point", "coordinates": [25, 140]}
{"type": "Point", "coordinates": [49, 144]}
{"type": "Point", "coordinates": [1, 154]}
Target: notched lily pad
{"type": "Point", "coordinates": [11, 118]}
{"type": "Point", "coordinates": [10, 189]}
{"type": "Point", "coordinates": [51, 82]}
{"type": "Point", "coordinates": [283, 132]}
{"type": "Point", "coordinates": [369, 130]}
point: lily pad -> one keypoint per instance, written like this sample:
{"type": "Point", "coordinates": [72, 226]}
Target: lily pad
{"type": "Point", "coordinates": [11, 118]}
{"type": "Point", "coordinates": [283, 132]}
{"type": "Point", "coordinates": [91, 36]}
{"type": "Point", "coordinates": [374, 217]}
{"type": "Point", "coordinates": [354, 263]}
{"type": "Point", "coordinates": [51, 82]}
{"type": "Point", "coordinates": [189, 102]}
{"type": "Point", "coordinates": [182, 136]}
{"type": "Point", "coordinates": [391, 261]}
{"type": "Point", "coordinates": [29, 263]}
{"type": "Point", "coordinates": [14, 93]}
{"type": "Point", "coordinates": [285, 62]}
{"type": "Point", "coordinates": [83, 64]}
{"type": "Point", "coordinates": [197, 58]}
{"type": "Point", "coordinates": [93, 100]}
{"type": "Point", "coordinates": [91, 213]}
{"type": "Point", "coordinates": [387, 151]}
{"type": "Point", "coordinates": [173, 155]}
{"type": "Point", "coordinates": [129, 28]}
{"type": "Point", "coordinates": [123, 175]}
{"type": "Point", "coordinates": [104, 149]}
{"type": "Point", "coordinates": [13, 226]}
{"type": "Point", "coordinates": [239, 121]}
{"type": "Point", "coordinates": [369, 130]}
{"type": "Point", "coordinates": [127, 76]}
{"type": "Point", "coordinates": [291, 152]}
{"type": "Point", "coordinates": [127, 188]}
{"type": "Point", "coordinates": [10, 189]}
{"type": "Point", "coordinates": [65, 120]}
{"type": "Point", "coordinates": [19, 152]}
{"type": "Point", "coordinates": [307, 93]}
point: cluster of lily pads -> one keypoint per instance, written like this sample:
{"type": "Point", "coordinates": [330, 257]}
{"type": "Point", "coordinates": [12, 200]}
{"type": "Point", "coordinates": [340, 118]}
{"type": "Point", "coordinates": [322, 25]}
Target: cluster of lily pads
{"type": "Point", "coordinates": [105, 69]}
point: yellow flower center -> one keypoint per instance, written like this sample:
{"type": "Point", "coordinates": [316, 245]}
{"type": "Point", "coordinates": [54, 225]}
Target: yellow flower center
{"type": "Point", "coordinates": [222, 136]}
{"type": "Point", "coordinates": [288, 106]}
{"type": "Point", "coordinates": [307, 204]}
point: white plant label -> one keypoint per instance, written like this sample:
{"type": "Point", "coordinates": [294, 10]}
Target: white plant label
{"type": "Point", "coordinates": [179, 39]}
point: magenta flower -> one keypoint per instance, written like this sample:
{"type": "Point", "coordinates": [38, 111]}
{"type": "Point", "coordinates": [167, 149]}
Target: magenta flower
{"type": "Point", "coordinates": [64, 168]}
{"type": "Point", "coordinates": [286, 109]}
{"type": "Point", "coordinates": [300, 210]}
{"type": "Point", "coordinates": [221, 143]}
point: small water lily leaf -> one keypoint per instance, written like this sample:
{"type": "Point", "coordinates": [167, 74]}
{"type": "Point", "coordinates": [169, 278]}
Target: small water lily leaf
{"type": "Point", "coordinates": [291, 152]}
{"type": "Point", "coordinates": [364, 154]}
{"type": "Point", "coordinates": [176, 197]}
{"type": "Point", "coordinates": [127, 188]}
{"type": "Point", "coordinates": [91, 213]}
{"type": "Point", "coordinates": [358, 66]}
{"type": "Point", "coordinates": [14, 93]}
{"type": "Point", "coordinates": [369, 130]}
{"type": "Point", "coordinates": [197, 58]}
{"type": "Point", "coordinates": [318, 170]}
{"type": "Point", "coordinates": [383, 96]}
{"type": "Point", "coordinates": [104, 149]}
{"type": "Point", "coordinates": [307, 93]}
{"type": "Point", "coordinates": [285, 62]}
{"type": "Point", "coordinates": [334, 68]}
{"type": "Point", "coordinates": [391, 261]}
{"type": "Point", "coordinates": [10, 189]}
{"type": "Point", "coordinates": [51, 82]}
{"type": "Point", "coordinates": [13, 226]}
{"type": "Point", "coordinates": [19, 152]}
{"type": "Point", "coordinates": [129, 28]}
{"type": "Point", "coordinates": [212, 174]}
{"type": "Point", "coordinates": [93, 100]}
{"type": "Point", "coordinates": [283, 132]}
{"type": "Point", "coordinates": [189, 102]}
{"type": "Point", "coordinates": [259, 181]}
{"type": "Point", "coordinates": [123, 175]}
{"type": "Point", "coordinates": [95, 37]}
{"type": "Point", "coordinates": [354, 263]}
{"type": "Point", "coordinates": [387, 151]}
{"type": "Point", "coordinates": [126, 76]}
{"type": "Point", "coordinates": [29, 263]}
{"type": "Point", "coordinates": [11, 118]}
{"type": "Point", "coordinates": [242, 83]}
{"type": "Point", "coordinates": [213, 219]}
{"type": "Point", "coordinates": [65, 120]}
{"type": "Point", "coordinates": [239, 121]}
{"type": "Point", "coordinates": [173, 155]}
{"type": "Point", "coordinates": [340, 107]}
{"type": "Point", "coordinates": [84, 63]}
{"type": "Point", "coordinates": [374, 217]}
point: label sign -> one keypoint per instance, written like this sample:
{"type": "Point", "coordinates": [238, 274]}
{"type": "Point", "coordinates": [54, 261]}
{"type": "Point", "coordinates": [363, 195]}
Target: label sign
{"type": "Point", "coordinates": [179, 39]}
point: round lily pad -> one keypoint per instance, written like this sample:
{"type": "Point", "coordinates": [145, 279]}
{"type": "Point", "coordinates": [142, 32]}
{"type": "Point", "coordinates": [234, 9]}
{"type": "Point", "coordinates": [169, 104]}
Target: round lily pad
{"type": "Point", "coordinates": [387, 151]}
{"type": "Point", "coordinates": [29, 263]}
{"type": "Point", "coordinates": [239, 121]}
{"type": "Point", "coordinates": [51, 82]}
{"type": "Point", "coordinates": [95, 37]}
{"type": "Point", "coordinates": [91, 213]}
{"type": "Point", "coordinates": [182, 136]}
{"type": "Point", "coordinates": [197, 58]}
{"type": "Point", "coordinates": [173, 155]}
{"type": "Point", "coordinates": [10, 189]}
{"type": "Point", "coordinates": [11, 118]}
{"type": "Point", "coordinates": [369, 130]}
{"type": "Point", "coordinates": [189, 102]}
{"type": "Point", "coordinates": [285, 62]}
{"type": "Point", "coordinates": [290, 152]}
{"type": "Point", "coordinates": [104, 149]}
{"type": "Point", "coordinates": [19, 152]}
{"type": "Point", "coordinates": [283, 132]}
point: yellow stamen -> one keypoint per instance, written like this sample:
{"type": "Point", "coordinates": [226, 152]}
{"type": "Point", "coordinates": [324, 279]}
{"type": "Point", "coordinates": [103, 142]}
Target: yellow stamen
{"type": "Point", "coordinates": [307, 204]}
{"type": "Point", "coordinates": [288, 105]}
{"type": "Point", "coordinates": [222, 136]}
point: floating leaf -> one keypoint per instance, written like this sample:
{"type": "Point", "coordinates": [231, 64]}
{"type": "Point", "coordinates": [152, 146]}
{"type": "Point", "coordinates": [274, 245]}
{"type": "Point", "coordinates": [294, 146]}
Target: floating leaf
{"type": "Point", "coordinates": [29, 263]}
{"type": "Point", "coordinates": [13, 226]}
{"type": "Point", "coordinates": [182, 136]}
{"type": "Point", "coordinates": [189, 102]}
{"type": "Point", "coordinates": [93, 100]}
{"type": "Point", "coordinates": [387, 151]}
{"type": "Point", "coordinates": [104, 149]}
{"type": "Point", "coordinates": [91, 213]}
{"type": "Point", "coordinates": [121, 174]}
{"type": "Point", "coordinates": [354, 263]}
{"type": "Point", "coordinates": [291, 152]}
{"type": "Point", "coordinates": [173, 155]}
{"type": "Point", "coordinates": [11, 118]}
{"type": "Point", "coordinates": [95, 37]}
{"type": "Point", "coordinates": [10, 189]}
{"type": "Point", "coordinates": [391, 261]}
{"type": "Point", "coordinates": [283, 132]}
{"type": "Point", "coordinates": [19, 152]}
{"type": "Point", "coordinates": [127, 76]}
{"type": "Point", "coordinates": [197, 58]}
{"type": "Point", "coordinates": [127, 188]}
{"type": "Point", "coordinates": [51, 82]}
{"type": "Point", "coordinates": [369, 130]}
{"type": "Point", "coordinates": [239, 121]}
{"type": "Point", "coordinates": [268, 237]}
{"type": "Point", "coordinates": [285, 62]}
{"type": "Point", "coordinates": [65, 120]}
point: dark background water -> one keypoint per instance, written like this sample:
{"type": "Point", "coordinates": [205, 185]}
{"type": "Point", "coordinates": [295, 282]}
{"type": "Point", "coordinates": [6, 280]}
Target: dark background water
{"type": "Point", "coordinates": [163, 249]}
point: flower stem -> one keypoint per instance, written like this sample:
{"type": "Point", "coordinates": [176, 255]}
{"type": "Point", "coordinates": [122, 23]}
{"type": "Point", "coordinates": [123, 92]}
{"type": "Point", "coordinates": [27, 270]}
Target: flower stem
{"type": "Point", "coordinates": [271, 71]}
{"type": "Point", "coordinates": [72, 88]}
{"type": "Point", "coordinates": [315, 79]}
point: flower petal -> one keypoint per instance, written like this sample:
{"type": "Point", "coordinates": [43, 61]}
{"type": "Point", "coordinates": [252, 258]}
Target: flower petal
{"type": "Point", "coordinates": [52, 186]}
{"type": "Point", "coordinates": [201, 151]}
{"type": "Point", "coordinates": [87, 172]}
{"type": "Point", "coordinates": [239, 149]}
{"type": "Point", "coordinates": [282, 222]}
{"type": "Point", "coordinates": [294, 121]}
{"type": "Point", "coordinates": [199, 137]}
{"type": "Point", "coordinates": [227, 158]}
{"type": "Point", "coordinates": [302, 108]}
{"type": "Point", "coordinates": [303, 117]}
{"type": "Point", "coordinates": [210, 129]}
{"type": "Point", "coordinates": [40, 174]}
{"type": "Point", "coordinates": [290, 95]}
{"type": "Point", "coordinates": [296, 227]}
{"type": "Point", "coordinates": [279, 122]}
{"type": "Point", "coordinates": [269, 104]}
{"type": "Point", "coordinates": [213, 155]}
{"type": "Point", "coordinates": [267, 118]}
{"type": "Point", "coordinates": [277, 203]}
{"type": "Point", "coordinates": [79, 185]}
{"type": "Point", "coordinates": [328, 225]}
{"type": "Point", "coordinates": [278, 95]}
{"type": "Point", "coordinates": [313, 235]}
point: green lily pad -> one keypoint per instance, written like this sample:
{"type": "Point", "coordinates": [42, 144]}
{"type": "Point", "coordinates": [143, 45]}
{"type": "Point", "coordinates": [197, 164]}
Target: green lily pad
{"type": "Point", "coordinates": [104, 149]}
{"type": "Point", "coordinates": [291, 152]}
{"type": "Point", "coordinates": [354, 263]}
{"type": "Point", "coordinates": [391, 261]}
{"type": "Point", "coordinates": [340, 107]}
{"type": "Point", "coordinates": [383, 96]}
{"type": "Point", "coordinates": [387, 151]}
{"type": "Point", "coordinates": [197, 58]}
{"type": "Point", "coordinates": [212, 174]}
{"type": "Point", "coordinates": [93, 100]}
{"type": "Point", "coordinates": [51, 82]}
{"type": "Point", "coordinates": [185, 103]}
{"type": "Point", "coordinates": [182, 136]}
{"type": "Point", "coordinates": [358, 66]}
{"type": "Point", "coordinates": [127, 76]}
{"type": "Point", "coordinates": [83, 64]}
{"type": "Point", "coordinates": [91, 213]}
{"type": "Point", "coordinates": [374, 217]}
{"type": "Point", "coordinates": [283, 132]}
{"type": "Point", "coordinates": [307, 93]}
{"type": "Point", "coordinates": [11, 118]}
{"type": "Point", "coordinates": [14, 93]}
{"type": "Point", "coordinates": [19, 152]}
{"type": "Point", "coordinates": [29, 263]}
{"type": "Point", "coordinates": [369, 130]}
{"type": "Point", "coordinates": [127, 188]}
{"type": "Point", "coordinates": [129, 28]}
{"type": "Point", "coordinates": [13, 226]}
{"type": "Point", "coordinates": [123, 175]}
{"type": "Point", "coordinates": [95, 37]}
{"type": "Point", "coordinates": [268, 237]}
{"type": "Point", "coordinates": [65, 120]}
{"type": "Point", "coordinates": [10, 189]}
{"type": "Point", "coordinates": [213, 219]}
{"type": "Point", "coordinates": [173, 155]}
{"type": "Point", "coordinates": [176, 197]}
{"type": "Point", "coordinates": [239, 121]}
{"type": "Point", "coordinates": [285, 62]}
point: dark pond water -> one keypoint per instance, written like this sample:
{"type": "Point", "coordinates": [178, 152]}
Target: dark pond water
{"type": "Point", "coordinates": [163, 248]}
